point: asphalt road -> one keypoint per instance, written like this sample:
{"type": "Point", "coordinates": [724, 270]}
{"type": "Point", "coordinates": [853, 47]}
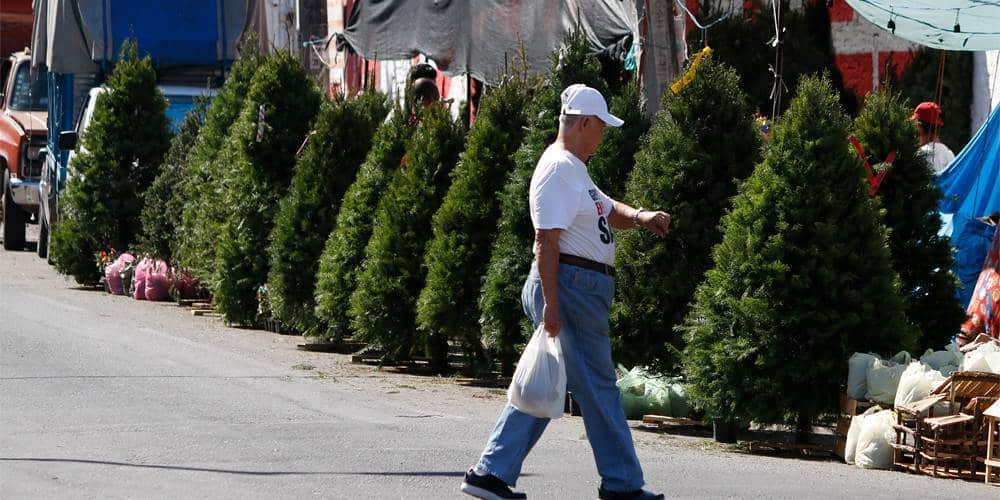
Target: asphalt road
{"type": "Point", "coordinates": [106, 397]}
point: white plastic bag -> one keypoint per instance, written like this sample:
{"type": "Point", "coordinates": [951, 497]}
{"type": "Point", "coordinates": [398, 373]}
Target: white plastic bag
{"type": "Point", "coordinates": [982, 358]}
{"type": "Point", "coordinates": [917, 382]}
{"type": "Point", "coordinates": [851, 445]}
{"type": "Point", "coordinates": [883, 380]}
{"type": "Point", "coordinates": [955, 351]}
{"type": "Point", "coordinates": [538, 387]}
{"type": "Point", "coordinates": [901, 358]}
{"type": "Point", "coordinates": [857, 374]}
{"type": "Point", "coordinates": [939, 359]}
{"type": "Point", "coordinates": [873, 450]}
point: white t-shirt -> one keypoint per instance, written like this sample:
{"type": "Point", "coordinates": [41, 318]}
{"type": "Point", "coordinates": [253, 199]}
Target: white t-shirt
{"type": "Point", "coordinates": [938, 155]}
{"type": "Point", "coordinates": [564, 197]}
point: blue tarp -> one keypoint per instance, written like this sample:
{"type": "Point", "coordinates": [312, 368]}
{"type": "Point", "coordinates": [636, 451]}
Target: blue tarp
{"type": "Point", "coordinates": [82, 36]}
{"type": "Point", "coordinates": [971, 188]}
{"type": "Point", "coordinates": [180, 32]}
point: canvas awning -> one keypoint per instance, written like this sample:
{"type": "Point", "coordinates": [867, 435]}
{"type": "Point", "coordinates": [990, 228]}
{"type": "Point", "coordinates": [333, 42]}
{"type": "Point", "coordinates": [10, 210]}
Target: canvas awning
{"type": "Point", "coordinates": [933, 22]}
{"type": "Point", "coordinates": [480, 37]}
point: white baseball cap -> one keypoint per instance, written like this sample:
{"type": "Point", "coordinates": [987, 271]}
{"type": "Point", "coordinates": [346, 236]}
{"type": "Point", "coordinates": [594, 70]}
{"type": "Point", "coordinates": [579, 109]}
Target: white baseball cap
{"type": "Point", "coordinates": [579, 99]}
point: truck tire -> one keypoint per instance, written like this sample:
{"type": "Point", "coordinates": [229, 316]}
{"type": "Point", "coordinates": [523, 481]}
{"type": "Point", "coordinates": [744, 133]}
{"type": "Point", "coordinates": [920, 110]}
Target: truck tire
{"type": "Point", "coordinates": [13, 223]}
{"type": "Point", "coordinates": [48, 246]}
{"type": "Point", "coordinates": [43, 239]}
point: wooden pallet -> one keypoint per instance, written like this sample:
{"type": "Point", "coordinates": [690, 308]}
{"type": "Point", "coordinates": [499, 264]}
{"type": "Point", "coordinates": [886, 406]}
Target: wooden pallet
{"type": "Point", "coordinates": [805, 449]}
{"type": "Point", "coordinates": [662, 422]}
{"type": "Point", "coordinates": [342, 347]}
{"type": "Point", "coordinates": [376, 359]}
{"type": "Point", "coordinates": [491, 383]}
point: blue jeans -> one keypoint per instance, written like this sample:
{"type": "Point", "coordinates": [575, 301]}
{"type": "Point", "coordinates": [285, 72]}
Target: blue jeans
{"type": "Point", "coordinates": [584, 303]}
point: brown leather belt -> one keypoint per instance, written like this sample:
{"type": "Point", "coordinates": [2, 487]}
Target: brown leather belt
{"type": "Point", "coordinates": [573, 260]}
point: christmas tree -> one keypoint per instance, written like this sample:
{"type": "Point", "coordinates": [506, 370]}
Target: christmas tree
{"type": "Point", "coordinates": [465, 225]}
{"type": "Point", "coordinates": [703, 145]}
{"type": "Point", "coordinates": [345, 247]}
{"type": "Point", "coordinates": [260, 156]}
{"type": "Point", "coordinates": [920, 255]}
{"type": "Point", "coordinates": [163, 200]}
{"type": "Point", "coordinates": [202, 179]}
{"type": "Point", "coordinates": [611, 164]}
{"type": "Point", "coordinates": [326, 168]}
{"type": "Point", "coordinates": [503, 320]}
{"type": "Point", "coordinates": [802, 277]}
{"type": "Point", "coordinates": [383, 306]}
{"type": "Point", "coordinates": [122, 151]}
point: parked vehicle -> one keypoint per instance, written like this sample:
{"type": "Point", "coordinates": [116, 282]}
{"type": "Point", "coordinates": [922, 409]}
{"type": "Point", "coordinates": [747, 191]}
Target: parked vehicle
{"type": "Point", "coordinates": [180, 100]}
{"type": "Point", "coordinates": [23, 133]}
{"type": "Point", "coordinates": [191, 43]}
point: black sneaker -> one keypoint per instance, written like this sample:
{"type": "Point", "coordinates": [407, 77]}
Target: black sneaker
{"type": "Point", "coordinates": [487, 487]}
{"type": "Point", "coordinates": [604, 494]}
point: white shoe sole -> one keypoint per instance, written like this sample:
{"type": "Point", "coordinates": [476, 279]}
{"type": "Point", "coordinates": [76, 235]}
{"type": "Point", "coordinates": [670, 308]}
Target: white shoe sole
{"type": "Point", "coordinates": [477, 492]}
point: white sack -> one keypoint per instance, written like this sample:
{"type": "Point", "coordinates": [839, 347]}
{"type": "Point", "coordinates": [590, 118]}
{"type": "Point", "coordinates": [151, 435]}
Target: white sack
{"type": "Point", "coordinates": [901, 358]}
{"type": "Point", "coordinates": [982, 359]}
{"type": "Point", "coordinates": [948, 370]}
{"type": "Point", "coordinates": [873, 449]}
{"type": "Point", "coordinates": [939, 359]}
{"type": "Point", "coordinates": [916, 383]}
{"type": "Point", "coordinates": [850, 446]}
{"type": "Point", "coordinates": [883, 380]}
{"type": "Point", "coordinates": [857, 374]}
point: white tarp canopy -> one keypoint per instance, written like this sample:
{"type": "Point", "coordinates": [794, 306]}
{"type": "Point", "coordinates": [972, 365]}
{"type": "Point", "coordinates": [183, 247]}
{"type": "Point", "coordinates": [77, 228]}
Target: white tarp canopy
{"type": "Point", "coordinates": [943, 24]}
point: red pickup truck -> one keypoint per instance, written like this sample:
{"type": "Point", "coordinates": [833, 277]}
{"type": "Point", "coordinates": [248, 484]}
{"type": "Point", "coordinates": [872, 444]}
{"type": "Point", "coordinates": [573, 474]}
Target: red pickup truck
{"type": "Point", "coordinates": [23, 130]}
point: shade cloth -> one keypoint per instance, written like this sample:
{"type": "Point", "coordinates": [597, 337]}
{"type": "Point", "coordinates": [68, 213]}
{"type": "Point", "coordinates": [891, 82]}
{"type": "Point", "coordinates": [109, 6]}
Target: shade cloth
{"type": "Point", "coordinates": [481, 37]}
{"type": "Point", "coordinates": [932, 22]}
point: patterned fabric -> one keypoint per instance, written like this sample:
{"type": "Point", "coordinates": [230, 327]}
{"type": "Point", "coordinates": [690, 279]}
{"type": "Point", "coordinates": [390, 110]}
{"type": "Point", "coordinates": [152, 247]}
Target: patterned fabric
{"type": "Point", "coordinates": [984, 308]}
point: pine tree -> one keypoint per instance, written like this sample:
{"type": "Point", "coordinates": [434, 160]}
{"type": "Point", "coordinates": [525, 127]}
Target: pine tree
{"type": "Point", "coordinates": [326, 168]}
{"type": "Point", "coordinates": [611, 164]}
{"type": "Point", "coordinates": [260, 156]}
{"type": "Point", "coordinates": [383, 306]}
{"type": "Point", "coordinates": [202, 180]}
{"type": "Point", "coordinates": [123, 148]}
{"type": "Point", "coordinates": [921, 257]}
{"type": "Point", "coordinates": [504, 324]}
{"type": "Point", "coordinates": [164, 203]}
{"type": "Point", "coordinates": [704, 143]}
{"type": "Point", "coordinates": [802, 277]}
{"type": "Point", "coordinates": [344, 250]}
{"type": "Point", "coordinates": [465, 225]}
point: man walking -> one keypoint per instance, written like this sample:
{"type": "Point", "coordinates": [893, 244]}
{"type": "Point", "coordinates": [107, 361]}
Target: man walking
{"type": "Point", "coordinates": [569, 291]}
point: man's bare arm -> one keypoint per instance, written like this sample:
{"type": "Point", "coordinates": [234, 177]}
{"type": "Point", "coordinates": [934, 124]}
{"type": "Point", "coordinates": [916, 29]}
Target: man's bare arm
{"type": "Point", "coordinates": [547, 258]}
{"type": "Point", "coordinates": [623, 216]}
